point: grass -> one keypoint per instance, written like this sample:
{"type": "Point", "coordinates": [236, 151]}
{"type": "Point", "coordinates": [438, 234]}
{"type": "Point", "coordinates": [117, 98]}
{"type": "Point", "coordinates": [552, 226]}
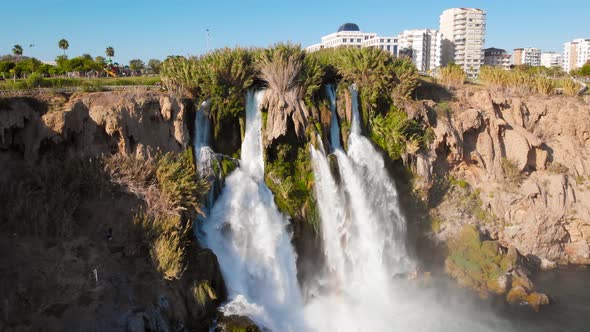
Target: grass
{"type": "Point", "coordinates": [171, 191]}
{"type": "Point", "coordinates": [452, 76]}
{"type": "Point", "coordinates": [45, 203]}
{"type": "Point", "coordinates": [85, 84]}
{"type": "Point", "coordinates": [526, 82]}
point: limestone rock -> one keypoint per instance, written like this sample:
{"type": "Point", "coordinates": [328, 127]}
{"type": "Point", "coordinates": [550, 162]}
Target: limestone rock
{"type": "Point", "coordinates": [129, 122]}
{"type": "Point", "coordinates": [543, 209]}
{"type": "Point", "coordinates": [536, 300]}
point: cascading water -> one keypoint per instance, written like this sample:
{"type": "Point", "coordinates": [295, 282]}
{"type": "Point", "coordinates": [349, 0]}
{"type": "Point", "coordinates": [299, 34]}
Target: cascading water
{"type": "Point", "coordinates": [204, 155]}
{"type": "Point", "coordinates": [249, 236]}
{"type": "Point", "coordinates": [363, 233]}
{"type": "Point", "coordinates": [334, 127]}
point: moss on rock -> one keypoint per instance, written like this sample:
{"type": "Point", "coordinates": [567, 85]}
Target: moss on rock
{"type": "Point", "coordinates": [477, 264]}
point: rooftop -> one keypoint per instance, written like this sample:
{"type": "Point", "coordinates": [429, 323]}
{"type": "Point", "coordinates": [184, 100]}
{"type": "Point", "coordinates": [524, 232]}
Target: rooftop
{"type": "Point", "coordinates": [349, 27]}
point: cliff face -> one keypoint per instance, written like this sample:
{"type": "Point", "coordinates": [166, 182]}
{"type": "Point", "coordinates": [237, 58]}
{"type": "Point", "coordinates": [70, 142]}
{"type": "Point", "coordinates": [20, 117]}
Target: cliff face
{"type": "Point", "coordinates": [95, 123]}
{"type": "Point", "coordinates": [75, 255]}
{"type": "Point", "coordinates": [527, 161]}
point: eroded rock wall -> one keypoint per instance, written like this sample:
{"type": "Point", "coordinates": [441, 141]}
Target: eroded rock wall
{"type": "Point", "coordinates": [139, 123]}
{"type": "Point", "coordinates": [527, 159]}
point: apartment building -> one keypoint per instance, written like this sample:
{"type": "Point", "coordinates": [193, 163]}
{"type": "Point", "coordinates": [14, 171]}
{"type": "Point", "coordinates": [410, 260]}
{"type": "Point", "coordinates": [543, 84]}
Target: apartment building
{"type": "Point", "coordinates": [551, 59]}
{"type": "Point", "coordinates": [497, 57]}
{"type": "Point", "coordinates": [463, 36]}
{"type": "Point", "coordinates": [575, 54]}
{"type": "Point", "coordinates": [350, 35]}
{"type": "Point", "coordinates": [423, 46]}
{"type": "Point", "coordinates": [527, 56]}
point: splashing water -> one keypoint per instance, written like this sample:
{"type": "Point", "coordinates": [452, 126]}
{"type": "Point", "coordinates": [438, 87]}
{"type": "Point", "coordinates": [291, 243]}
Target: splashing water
{"type": "Point", "coordinates": [249, 236]}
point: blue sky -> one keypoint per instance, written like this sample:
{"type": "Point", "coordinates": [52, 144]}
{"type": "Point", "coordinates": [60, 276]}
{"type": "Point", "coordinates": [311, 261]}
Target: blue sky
{"type": "Point", "coordinates": [154, 29]}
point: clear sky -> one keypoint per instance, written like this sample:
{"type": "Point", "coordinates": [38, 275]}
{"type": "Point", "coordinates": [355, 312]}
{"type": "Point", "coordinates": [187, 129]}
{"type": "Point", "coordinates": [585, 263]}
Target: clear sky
{"type": "Point", "coordinates": [157, 28]}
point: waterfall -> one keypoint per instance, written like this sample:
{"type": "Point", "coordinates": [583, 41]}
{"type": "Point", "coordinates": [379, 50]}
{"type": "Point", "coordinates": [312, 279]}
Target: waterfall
{"type": "Point", "coordinates": [362, 217]}
{"type": "Point", "coordinates": [363, 233]}
{"type": "Point", "coordinates": [334, 127]}
{"type": "Point", "coordinates": [205, 157]}
{"type": "Point", "coordinates": [250, 238]}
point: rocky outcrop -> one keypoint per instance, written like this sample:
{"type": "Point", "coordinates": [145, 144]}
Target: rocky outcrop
{"type": "Point", "coordinates": [78, 277]}
{"type": "Point", "coordinates": [139, 123]}
{"type": "Point", "coordinates": [528, 160]}
{"type": "Point", "coordinates": [490, 269]}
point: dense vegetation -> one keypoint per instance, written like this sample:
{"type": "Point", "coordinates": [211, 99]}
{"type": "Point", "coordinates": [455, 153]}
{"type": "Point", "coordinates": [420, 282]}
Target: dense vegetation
{"type": "Point", "coordinates": [526, 80]}
{"type": "Point", "coordinates": [293, 80]}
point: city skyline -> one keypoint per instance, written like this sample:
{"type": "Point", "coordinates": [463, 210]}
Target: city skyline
{"type": "Point", "coordinates": [180, 26]}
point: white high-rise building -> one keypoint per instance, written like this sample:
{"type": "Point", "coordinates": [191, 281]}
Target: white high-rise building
{"type": "Point", "coordinates": [527, 56]}
{"type": "Point", "coordinates": [575, 54]}
{"type": "Point", "coordinates": [350, 35]}
{"type": "Point", "coordinates": [423, 46]}
{"type": "Point", "coordinates": [463, 37]}
{"type": "Point", "coordinates": [551, 59]}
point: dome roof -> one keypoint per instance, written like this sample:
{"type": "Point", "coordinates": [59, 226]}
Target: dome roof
{"type": "Point", "coordinates": [349, 27]}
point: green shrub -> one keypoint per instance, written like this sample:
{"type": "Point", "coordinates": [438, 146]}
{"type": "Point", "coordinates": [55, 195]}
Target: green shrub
{"type": "Point", "coordinates": [512, 173]}
{"type": "Point", "coordinates": [168, 240]}
{"type": "Point", "coordinates": [178, 181]}
{"type": "Point", "coordinates": [397, 135]}
{"type": "Point", "coordinates": [289, 175]}
{"type": "Point", "coordinates": [35, 80]}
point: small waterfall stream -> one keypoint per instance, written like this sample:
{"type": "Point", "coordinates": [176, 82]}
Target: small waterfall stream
{"type": "Point", "coordinates": [250, 238]}
{"type": "Point", "coordinates": [334, 127]}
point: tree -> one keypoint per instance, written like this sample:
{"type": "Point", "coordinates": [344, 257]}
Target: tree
{"type": "Point", "coordinates": [136, 64]}
{"type": "Point", "coordinates": [154, 66]}
{"type": "Point", "coordinates": [17, 50]}
{"type": "Point", "coordinates": [100, 61]}
{"type": "Point", "coordinates": [5, 67]}
{"type": "Point", "coordinates": [585, 70]}
{"type": "Point", "coordinates": [64, 45]}
{"type": "Point", "coordinates": [110, 52]}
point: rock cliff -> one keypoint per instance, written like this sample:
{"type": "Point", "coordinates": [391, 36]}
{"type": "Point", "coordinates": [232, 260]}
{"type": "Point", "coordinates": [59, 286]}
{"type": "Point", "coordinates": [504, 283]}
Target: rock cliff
{"type": "Point", "coordinates": [82, 265]}
{"type": "Point", "coordinates": [526, 159]}
{"type": "Point", "coordinates": [138, 123]}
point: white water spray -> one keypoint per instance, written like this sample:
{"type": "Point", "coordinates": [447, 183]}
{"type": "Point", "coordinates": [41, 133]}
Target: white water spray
{"type": "Point", "coordinates": [364, 235]}
{"type": "Point", "coordinates": [249, 236]}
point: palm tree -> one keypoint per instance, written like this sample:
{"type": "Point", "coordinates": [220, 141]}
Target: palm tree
{"type": "Point", "coordinates": [64, 45]}
{"type": "Point", "coordinates": [17, 50]}
{"type": "Point", "coordinates": [110, 52]}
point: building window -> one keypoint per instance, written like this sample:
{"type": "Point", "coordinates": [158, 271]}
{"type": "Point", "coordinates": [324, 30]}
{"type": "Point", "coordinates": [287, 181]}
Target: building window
{"type": "Point", "coordinates": [358, 40]}
{"type": "Point", "coordinates": [381, 40]}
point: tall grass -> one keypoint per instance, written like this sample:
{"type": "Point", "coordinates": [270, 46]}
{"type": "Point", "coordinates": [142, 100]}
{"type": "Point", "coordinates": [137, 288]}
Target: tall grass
{"type": "Point", "coordinates": [522, 82]}
{"type": "Point", "coordinates": [171, 190]}
{"type": "Point", "coordinates": [569, 86]}
{"type": "Point", "coordinates": [452, 75]}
